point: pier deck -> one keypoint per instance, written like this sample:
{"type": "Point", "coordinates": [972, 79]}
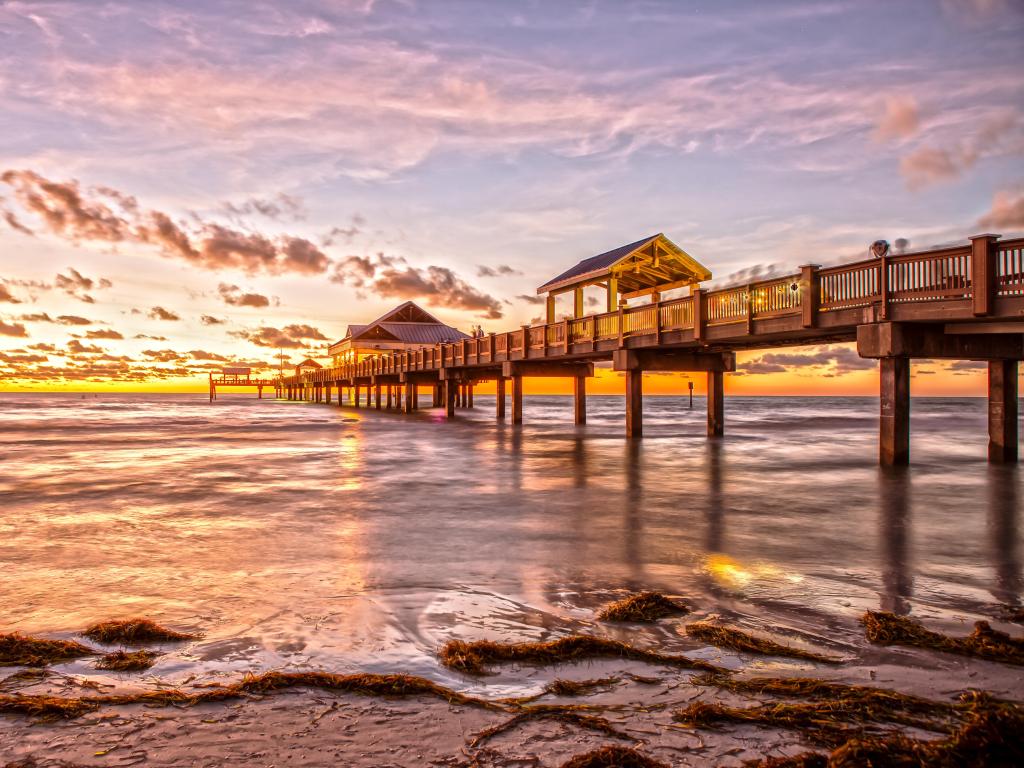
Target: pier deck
{"type": "Point", "coordinates": [964, 302]}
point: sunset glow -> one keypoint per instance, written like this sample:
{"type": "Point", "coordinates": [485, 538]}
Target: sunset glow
{"type": "Point", "coordinates": [184, 185]}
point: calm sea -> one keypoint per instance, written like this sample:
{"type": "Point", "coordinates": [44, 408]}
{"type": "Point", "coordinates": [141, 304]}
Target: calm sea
{"type": "Point", "coordinates": [309, 535]}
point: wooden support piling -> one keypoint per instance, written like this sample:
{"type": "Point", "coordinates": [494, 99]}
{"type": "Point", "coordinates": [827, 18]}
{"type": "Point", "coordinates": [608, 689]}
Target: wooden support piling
{"type": "Point", "coordinates": [469, 395]}
{"type": "Point", "coordinates": [517, 399]}
{"type": "Point", "coordinates": [634, 403]}
{"type": "Point", "coordinates": [450, 393]}
{"type": "Point", "coordinates": [499, 398]}
{"type": "Point", "coordinates": [580, 399]}
{"type": "Point", "coordinates": [716, 403]}
{"type": "Point", "coordinates": [1002, 411]}
{"type": "Point", "coordinates": [894, 421]}
{"type": "Point", "coordinates": [376, 397]}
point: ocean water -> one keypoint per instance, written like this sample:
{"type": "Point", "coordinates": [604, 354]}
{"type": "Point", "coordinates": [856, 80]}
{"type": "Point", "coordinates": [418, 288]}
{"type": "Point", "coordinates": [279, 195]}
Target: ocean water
{"type": "Point", "coordinates": [313, 536]}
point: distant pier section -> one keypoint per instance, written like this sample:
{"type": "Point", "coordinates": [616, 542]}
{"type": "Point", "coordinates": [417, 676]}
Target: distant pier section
{"type": "Point", "coordinates": [959, 303]}
{"type": "Point", "coordinates": [238, 376]}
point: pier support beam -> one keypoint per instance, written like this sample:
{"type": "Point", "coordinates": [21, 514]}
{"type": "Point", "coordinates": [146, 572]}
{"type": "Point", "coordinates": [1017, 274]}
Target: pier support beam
{"type": "Point", "coordinates": [634, 403]}
{"type": "Point", "coordinates": [409, 389]}
{"type": "Point", "coordinates": [516, 370]}
{"type": "Point", "coordinates": [450, 392]}
{"type": "Point", "coordinates": [376, 397]}
{"type": "Point", "coordinates": [327, 393]}
{"type": "Point", "coordinates": [716, 403]}
{"type": "Point", "coordinates": [415, 397]}
{"type": "Point", "coordinates": [469, 395]}
{"type": "Point", "coordinates": [355, 399]}
{"type": "Point", "coordinates": [517, 399]}
{"type": "Point", "coordinates": [390, 397]}
{"type": "Point", "coordinates": [1002, 411]}
{"type": "Point", "coordinates": [894, 417]}
{"type": "Point", "coordinates": [499, 399]}
{"type": "Point", "coordinates": [579, 392]}
{"type": "Point", "coordinates": [634, 362]}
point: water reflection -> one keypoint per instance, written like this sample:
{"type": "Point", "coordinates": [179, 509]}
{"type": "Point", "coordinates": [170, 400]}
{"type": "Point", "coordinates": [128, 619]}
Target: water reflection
{"type": "Point", "coordinates": [894, 530]}
{"type": "Point", "coordinates": [633, 508]}
{"type": "Point", "coordinates": [1004, 533]}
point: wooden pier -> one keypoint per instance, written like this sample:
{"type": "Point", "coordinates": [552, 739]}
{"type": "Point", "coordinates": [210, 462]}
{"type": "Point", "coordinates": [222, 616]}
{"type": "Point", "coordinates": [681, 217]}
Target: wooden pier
{"type": "Point", "coordinates": [242, 377]}
{"type": "Point", "coordinates": [960, 303]}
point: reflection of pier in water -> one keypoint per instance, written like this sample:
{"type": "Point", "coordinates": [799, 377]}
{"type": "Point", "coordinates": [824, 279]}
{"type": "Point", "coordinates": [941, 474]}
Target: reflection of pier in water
{"type": "Point", "coordinates": [960, 303]}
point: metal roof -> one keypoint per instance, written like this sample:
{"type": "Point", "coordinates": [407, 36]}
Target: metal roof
{"type": "Point", "coordinates": [596, 263]}
{"type": "Point", "coordinates": [429, 330]}
{"type": "Point", "coordinates": [602, 264]}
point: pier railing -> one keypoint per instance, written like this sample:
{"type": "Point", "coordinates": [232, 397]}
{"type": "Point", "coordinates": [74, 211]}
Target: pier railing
{"type": "Point", "coordinates": [976, 274]}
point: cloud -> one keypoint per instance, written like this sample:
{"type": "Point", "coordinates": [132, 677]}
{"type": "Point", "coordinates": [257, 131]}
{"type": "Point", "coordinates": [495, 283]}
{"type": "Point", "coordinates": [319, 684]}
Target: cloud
{"type": "Point", "coordinates": [151, 338]}
{"type": "Point", "coordinates": [12, 329]}
{"type": "Point", "coordinates": [278, 207]}
{"type": "Point", "coordinates": [61, 320]}
{"type": "Point", "coordinates": [836, 360]}
{"type": "Point", "coordinates": [345, 233]}
{"type": "Point", "coordinates": [14, 223]}
{"type": "Point", "coordinates": [999, 135]}
{"type": "Point", "coordinates": [290, 337]}
{"type": "Point", "coordinates": [438, 285]}
{"type": "Point", "coordinates": [7, 296]}
{"type": "Point", "coordinates": [105, 215]}
{"type": "Point", "coordinates": [931, 165]}
{"type": "Point", "coordinates": [500, 270]}
{"type": "Point", "coordinates": [72, 320]}
{"type": "Point", "coordinates": [163, 355]}
{"type": "Point", "coordinates": [529, 299]}
{"type": "Point", "coordinates": [392, 277]}
{"type": "Point", "coordinates": [76, 284]}
{"type": "Point", "coordinates": [159, 313]}
{"type": "Point", "coordinates": [106, 333]}
{"type": "Point", "coordinates": [75, 347]}
{"type": "Point", "coordinates": [198, 354]}
{"type": "Point", "coordinates": [211, 320]}
{"type": "Point", "coordinates": [234, 296]}
{"type": "Point", "coordinates": [1007, 211]}
{"type": "Point", "coordinates": [901, 119]}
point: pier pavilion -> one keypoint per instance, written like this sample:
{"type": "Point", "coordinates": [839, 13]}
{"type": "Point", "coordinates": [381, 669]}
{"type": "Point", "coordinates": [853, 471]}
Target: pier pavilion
{"type": "Point", "coordinates": [963, 302]}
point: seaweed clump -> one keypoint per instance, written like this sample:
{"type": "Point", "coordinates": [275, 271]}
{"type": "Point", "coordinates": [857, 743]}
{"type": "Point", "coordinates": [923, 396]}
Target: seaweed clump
{"type": "Point", "coordinates": [267, 683]}
{"type": "Point", "coordinates": [644, 607]}
{"type": "Point", "coordinates": [137, 631]}
{"type": "Point", "coordinates": [613, 757]}
{"type": "Point", "coordinates": [46, 707]}
{"type": "Point", "coordinates": [884, 628]}
{"type": "Point", "coordinates": [819, 723]}
{"type": "Point", "coordinates": [473, 657]}
{"type": "Point", "coordinates": [568, 715]}
{"type": "Point", "coordinates": [560, 687]}
{"type": "Point", "coordinates": [26, 651]}
{"type": "Point", "coordinates": [989, 736]}
{"type": "Point", "coordinates": [728, 637]}
{"type": "Point", "coordinates": [127, 661]}
{"type": "Point", "coordinates": [813, 688]}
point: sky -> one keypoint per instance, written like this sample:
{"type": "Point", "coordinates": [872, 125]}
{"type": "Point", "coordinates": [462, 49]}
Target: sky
{"type": "Point", "coordinates": [188, 183]}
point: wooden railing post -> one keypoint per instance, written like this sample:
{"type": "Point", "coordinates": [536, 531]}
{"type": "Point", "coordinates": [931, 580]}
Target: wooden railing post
{"type": "Point", "coordinates": [810, 295]}
{"type": "Point", "coordinates": [622, 326]}
{"type": "Point", "coordinates": [750, 309]}
{"type": "Point", "coordinates": [698, 314]}
{"type": "Point", "coordinates": [984, 277]}
{"type": "Point", "coordinates": [492, 348]}
{"type": "Point", "coordinates": [526, 342]}
{"type": "Point", "coordinates": [565, 337]}
{"type": "Point", "coordinates": [883, 288]}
